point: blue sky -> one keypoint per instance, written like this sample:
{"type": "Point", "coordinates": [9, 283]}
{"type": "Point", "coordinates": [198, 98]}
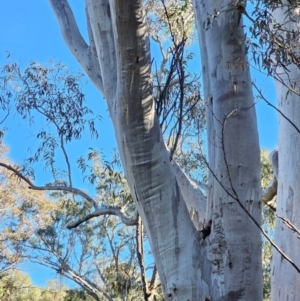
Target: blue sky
{"type": "Point", "coordinates": [29, 31]}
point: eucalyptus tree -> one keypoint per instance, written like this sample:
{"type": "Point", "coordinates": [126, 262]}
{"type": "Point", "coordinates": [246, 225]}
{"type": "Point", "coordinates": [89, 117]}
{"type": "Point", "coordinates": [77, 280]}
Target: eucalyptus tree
{"type": "Point", "coordinates": [199, 258]}
{"type": "Point", "coordinates": [275, 29]}
{"type": "Point", "coordinates": [18, 286]}
{"type": "Point", "coordinates": [285, 37]}
{"type": "Point", "coordinates": [205, 238]}
{"type": "Point", "coordinates": [15, 203]}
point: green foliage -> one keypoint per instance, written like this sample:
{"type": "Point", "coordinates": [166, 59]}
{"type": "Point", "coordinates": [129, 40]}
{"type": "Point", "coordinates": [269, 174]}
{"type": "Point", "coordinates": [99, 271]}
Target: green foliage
{"type": "Point", "coordinates": [17, 286]}
{"type": "Point", "coordinates": [172, 17]}
{"type": "Point", "coordinates": [52, 94]}
{"type": "Point", "coordinates": [77, 295]}
{"type": "Point", "coordinates": [274, 47]}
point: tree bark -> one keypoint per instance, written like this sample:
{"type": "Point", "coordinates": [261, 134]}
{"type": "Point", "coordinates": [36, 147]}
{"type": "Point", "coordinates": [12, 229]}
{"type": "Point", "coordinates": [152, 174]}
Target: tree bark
{"type": "Point", "coordinates": [287, 287]}
{"type": "Point", "coordinates": [234, 245]}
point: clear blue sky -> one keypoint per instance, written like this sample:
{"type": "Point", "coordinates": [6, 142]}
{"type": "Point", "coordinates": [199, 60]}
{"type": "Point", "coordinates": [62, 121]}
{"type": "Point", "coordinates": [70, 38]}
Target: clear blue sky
{"type": "Point", "coordinates": [29, 31]}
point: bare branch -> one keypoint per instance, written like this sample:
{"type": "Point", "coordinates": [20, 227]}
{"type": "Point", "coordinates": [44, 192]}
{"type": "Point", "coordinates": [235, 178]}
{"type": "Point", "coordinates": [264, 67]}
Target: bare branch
{"type": "Point", "coordinates": [129, 221]}
{"type": "Point", "coordinates": [103, 41]}
{"type": "Point", "coordinates": [62, 145]}
{"type": "Point", "coordinates": [165, 58]}
{"type": "Point", "coordinates": [50, 187]}
{"type": "Point", "coordinates": [290, 225]}
{"type": "Point", "coordinates": [271, 105]}
{"type": "Point", "coordinates": [200, 184]}
{"type": "Point", "coordinates": [235, 197]}
{"type": "Point", "coordinates": [69, 273]}
{"type": "Point", "coordinates": [74, 39]}
{"type": "Point", "coordinates": [153, 278]}
{"type": "Point", "coordinates": [140, 256]}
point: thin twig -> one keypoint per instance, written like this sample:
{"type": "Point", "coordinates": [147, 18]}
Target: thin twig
{"type": "Point", "coordinates": [274, 107]}
{"type": "Point", "coordinates": [289, 225]}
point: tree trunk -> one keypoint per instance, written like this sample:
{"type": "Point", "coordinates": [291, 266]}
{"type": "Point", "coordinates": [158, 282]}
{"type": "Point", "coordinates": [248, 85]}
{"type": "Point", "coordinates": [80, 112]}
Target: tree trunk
{"type": "Point", "coordinates": [234, 246]}
{"type": "Point", "coordinates": [146, 161]}
{"type": "Point", "coordinates": [285, 279]}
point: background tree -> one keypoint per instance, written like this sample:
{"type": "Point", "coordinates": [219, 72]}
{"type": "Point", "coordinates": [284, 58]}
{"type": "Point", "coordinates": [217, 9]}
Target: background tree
{"type": "Point", "coordinates": [102, 256]}
{"type": "Point", "coordinates": [17, 203]}
{"type": "Point", "coordinates": [17, 286]}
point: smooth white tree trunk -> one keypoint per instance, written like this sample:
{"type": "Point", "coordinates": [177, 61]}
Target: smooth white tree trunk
{"type": "Point", "coordinates": [285, 279]}
{"type": "Point", "coordinates": [234, 247]}
{"type": "Point", "coordinates": [226, 265]}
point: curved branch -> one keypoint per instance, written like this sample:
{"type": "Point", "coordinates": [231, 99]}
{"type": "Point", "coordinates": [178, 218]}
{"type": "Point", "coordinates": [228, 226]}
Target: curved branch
{"type": "Point", "coordinates": [153, 278]}
{"type": "Point", "coordinates": [128, 221]}
{"type": "Point", "coordinates": [74, 39]}
{"type": "Point", "coordinates": [274, 107]}
{"type": "Point", "coordinates": [69, 273]}
{"type": "Point", "coordinates": [50, 187]}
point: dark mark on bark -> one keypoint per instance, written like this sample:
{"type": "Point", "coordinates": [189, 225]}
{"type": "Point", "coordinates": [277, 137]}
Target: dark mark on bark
{"type": "Point", "coordinates": [206, 231]}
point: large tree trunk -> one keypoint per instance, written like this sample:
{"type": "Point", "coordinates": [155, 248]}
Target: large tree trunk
{"type": "Point", "coordinates": [226, 265]}
{"type": "Point", "coordinates": [173, 238]}
{"type": "Point", "coordinates": [119, 40]}
{"type": "Point", "coordinates": [285, 279]}
{"type": "Point", "coordinates": [234, 246]}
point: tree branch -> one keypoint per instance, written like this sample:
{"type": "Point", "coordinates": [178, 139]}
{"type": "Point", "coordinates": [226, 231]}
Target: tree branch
{"type": "Point", "coordinates": [271, 105]}
{"type": "Point", "coordinates": [153, 278]}
{"type": "Point", "coordinates": [140, 256]}
{"type": "Point", "coordinates": [74, 39]}
{"type": "Point", "coordinates": [67, 272]}
{"type": "Point", "coordinates": [102, 40]}
{"type": "Point", "coordinates": [129, 221]}
{"type": "Point", "coordinates": [289, 225]}
{"type": "Point", "coordinates": [50, 187]}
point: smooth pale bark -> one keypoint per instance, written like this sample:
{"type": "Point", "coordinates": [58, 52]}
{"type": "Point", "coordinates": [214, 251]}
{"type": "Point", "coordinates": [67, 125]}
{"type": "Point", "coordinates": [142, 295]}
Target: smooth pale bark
{"type": "Point", "coordinates": [285, 279]}
{"type": "Point", "coordinates": [234, 246]}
